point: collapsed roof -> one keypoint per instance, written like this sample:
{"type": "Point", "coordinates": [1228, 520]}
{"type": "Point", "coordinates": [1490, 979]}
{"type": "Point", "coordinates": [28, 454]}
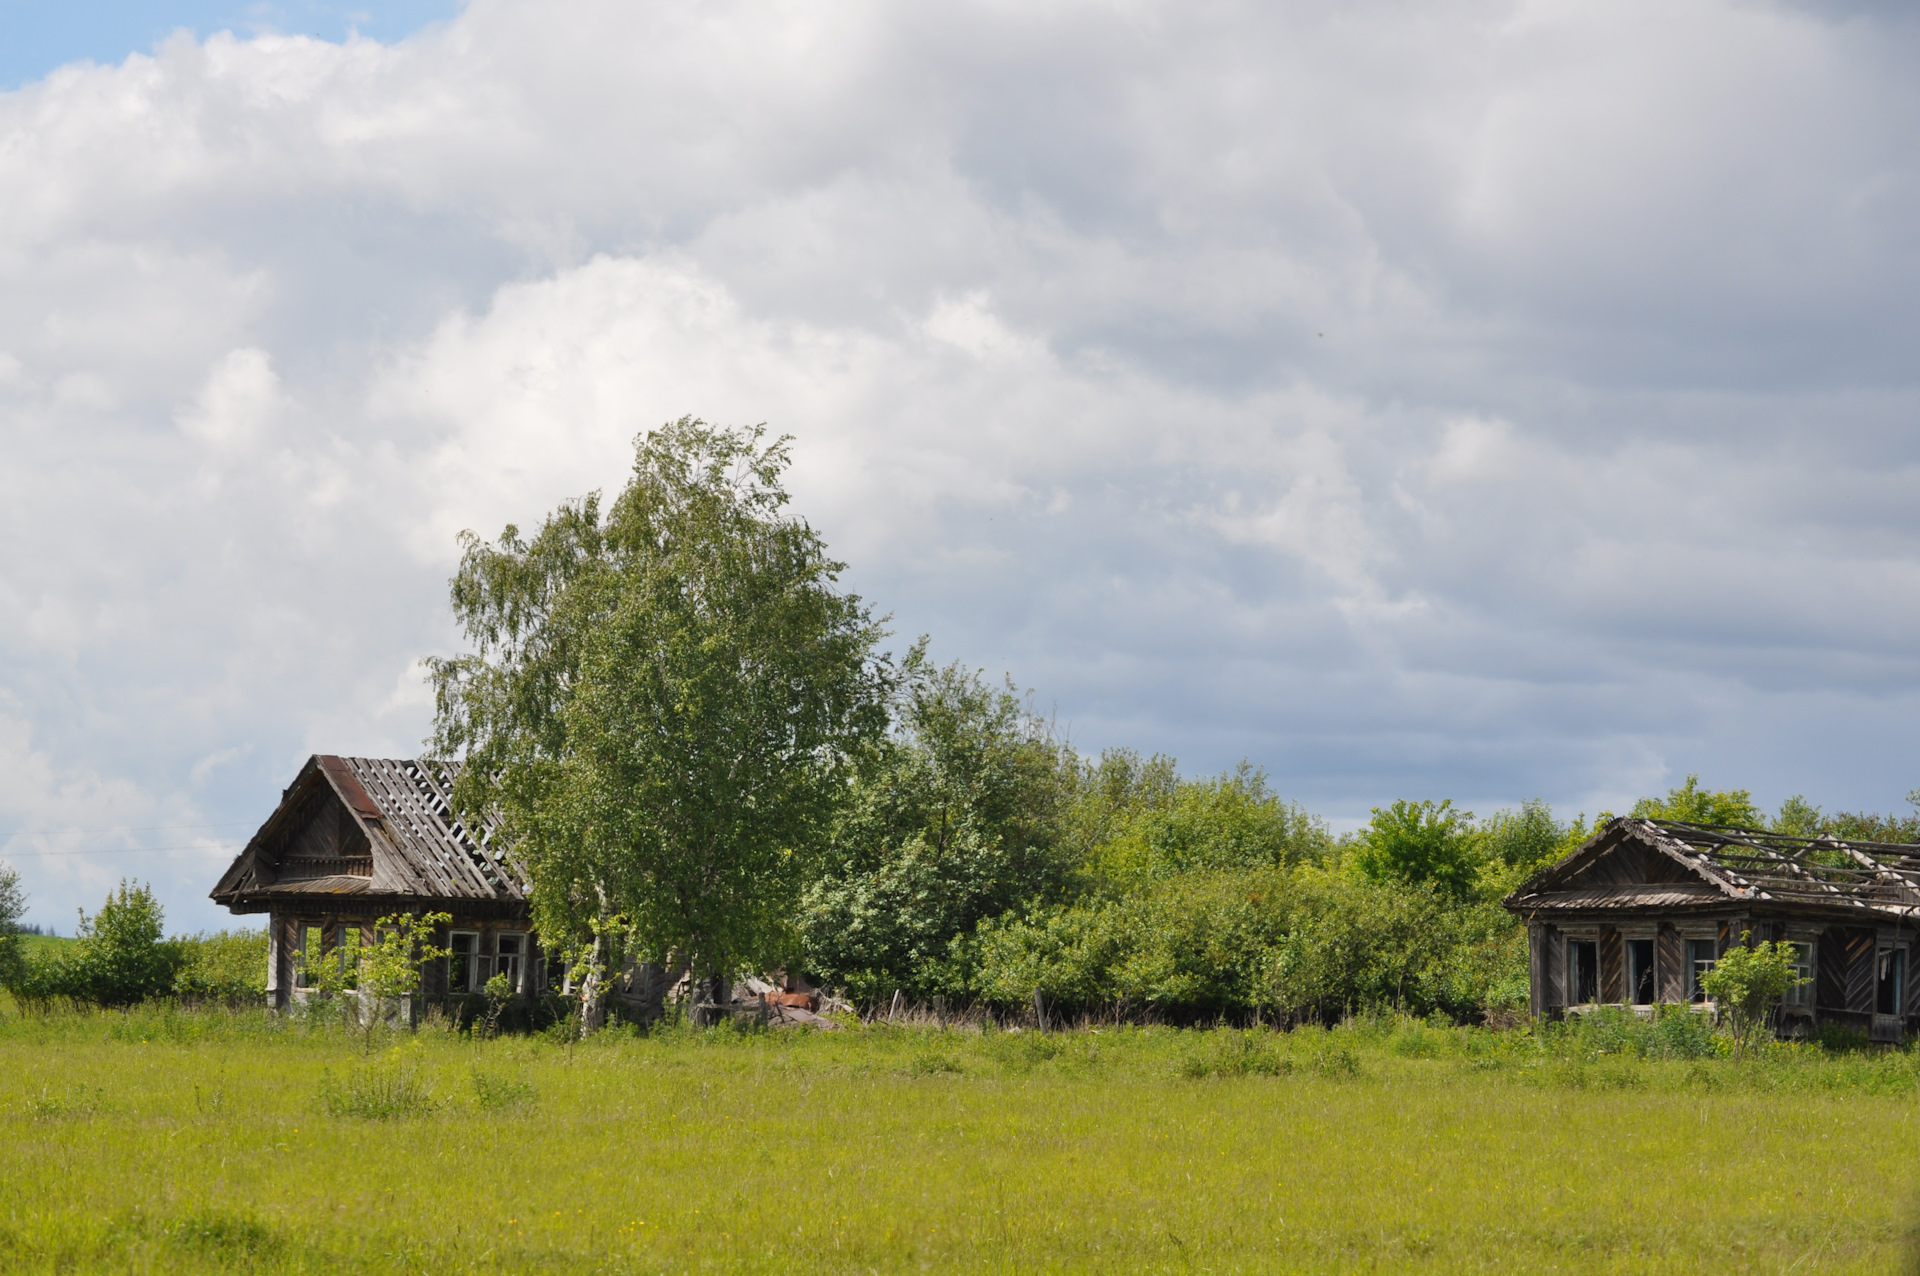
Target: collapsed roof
{"type": "Point", "coordinates": [1647, 865]}
{"type": "Point", "coordinates": [384, 828]}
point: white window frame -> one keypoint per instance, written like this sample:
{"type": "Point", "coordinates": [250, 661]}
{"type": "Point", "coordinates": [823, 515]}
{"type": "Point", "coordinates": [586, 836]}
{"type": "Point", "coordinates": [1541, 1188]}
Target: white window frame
{"type": "Point", "coordinates": [472, 955]}
{"type": "Point", "coordinates": [519, 975]}
{"type": "Point", "coordinates": [1800, 996]}
{"type": "Point", "coordinates": [1695, 993]}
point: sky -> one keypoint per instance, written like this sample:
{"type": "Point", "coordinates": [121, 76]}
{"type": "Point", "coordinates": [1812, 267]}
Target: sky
{"type": "Point", "coordinates": [1446, 399]}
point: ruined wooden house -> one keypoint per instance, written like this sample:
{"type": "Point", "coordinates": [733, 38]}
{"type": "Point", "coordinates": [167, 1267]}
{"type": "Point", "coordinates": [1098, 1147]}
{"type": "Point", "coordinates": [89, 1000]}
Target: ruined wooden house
{"type": "Point", "coordinates": [1639, 913]}
{"type": "Point", "coordinates": [357, 839]}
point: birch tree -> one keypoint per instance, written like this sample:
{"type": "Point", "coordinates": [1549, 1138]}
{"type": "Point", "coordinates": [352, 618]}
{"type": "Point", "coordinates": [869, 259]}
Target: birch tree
{"type": "Point", "coordinates": [661, 702]}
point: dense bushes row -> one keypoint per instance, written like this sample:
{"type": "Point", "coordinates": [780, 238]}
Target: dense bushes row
{"type": "Point", "coordinates": [121, 957]}
{"type": "Point", "coordinates": [982, 860]}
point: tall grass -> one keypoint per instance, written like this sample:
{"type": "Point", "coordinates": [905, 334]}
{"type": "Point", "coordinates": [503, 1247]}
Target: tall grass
{"type": "Point", "coordinates": [172, 1140]}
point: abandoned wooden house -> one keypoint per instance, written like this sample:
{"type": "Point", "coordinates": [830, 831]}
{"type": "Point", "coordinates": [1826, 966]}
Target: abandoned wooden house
{"type": "Point", "coordinates": [357, 839]}
{"type": "Point", "coordinates": [1641, 911]}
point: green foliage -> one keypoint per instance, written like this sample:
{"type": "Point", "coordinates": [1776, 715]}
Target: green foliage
{"type": "Point", "coordinates": [228, 965]}
{"type": "Point", "coordinates": [1670, 1032]}
{"type": "Point", "coordinates": [1163, 827]}
{"type": "Point", "coordinates": [1746, 983]}
{"type": "Point", "coordinates": [1299, 944]}
{"type": "Point", "coordinates": [117, 960]}
{"type": "Point", "coordinates": [1421, 842]}
{"type": "Point", "coordinates": [1695, 805]}
{"type": "Point", "coordinates": [13, 906]}
{"type": "Point", "coordinates": [1401, 1145]}
{"type": "Point", "coordinates": [663, 704]}
{"type": "Point", "coordinates": [389, 1089]}
{"type": "Point", "coordinates": [953, 819]}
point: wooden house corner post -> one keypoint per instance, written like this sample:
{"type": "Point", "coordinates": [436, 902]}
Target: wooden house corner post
{"type": "Point", "coordinates": [276, 939]}
{"type": "Point", "coordinates": [1536, 969]}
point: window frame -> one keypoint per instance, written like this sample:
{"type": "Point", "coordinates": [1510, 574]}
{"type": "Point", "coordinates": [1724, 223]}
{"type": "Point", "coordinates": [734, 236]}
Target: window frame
{"type": "Point", "coordinates": [1574, 946]}
{"type": "Point", "coordinates": [519, 975]}
{"type": "Point", "coordinates": [1633, 971]}
{"type": "Point", "coordinates": [1896, 954]}
{"type": "Point", "coordinates": [1800, 996]}
{"type": "Point", "coordinates": [1697, 969]}
{"type": "Point", "coordinates": [301, 930]}
{"type": "Point", "coordinates": [469, 965]}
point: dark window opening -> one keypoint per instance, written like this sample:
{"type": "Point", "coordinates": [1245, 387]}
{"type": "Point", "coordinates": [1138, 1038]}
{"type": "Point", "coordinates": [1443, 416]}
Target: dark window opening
{"type": "Point", "coordinates": [1640, 971]}
{"type": "Point", "coordinates": [1583, 966]}
{"type": "Point", "coordinates": [1893, 969]}
{"type": "Point", "coordinates": [461, 945]}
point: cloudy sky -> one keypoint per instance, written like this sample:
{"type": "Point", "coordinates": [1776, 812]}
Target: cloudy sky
{"type": "Point", "coordinates": [1456, 398]}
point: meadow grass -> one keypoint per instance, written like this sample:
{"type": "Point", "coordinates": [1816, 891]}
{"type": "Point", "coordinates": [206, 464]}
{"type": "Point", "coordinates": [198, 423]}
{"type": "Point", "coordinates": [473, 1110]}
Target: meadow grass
{"type": "Point", "coordinates": [166, 1140]}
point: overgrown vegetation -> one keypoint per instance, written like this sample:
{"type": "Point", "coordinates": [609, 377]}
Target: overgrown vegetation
{"type": "Point", "coordinates": [166, 1139]}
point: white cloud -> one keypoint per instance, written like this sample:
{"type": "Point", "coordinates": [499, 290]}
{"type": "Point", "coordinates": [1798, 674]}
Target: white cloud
{"type": "Point", "coordinates": [1481, 398]}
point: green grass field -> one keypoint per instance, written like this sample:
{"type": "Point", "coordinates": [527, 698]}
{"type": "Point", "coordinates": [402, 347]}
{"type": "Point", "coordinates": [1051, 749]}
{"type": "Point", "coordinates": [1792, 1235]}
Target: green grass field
{"type": "Point", "coordinates": [175, 1141]}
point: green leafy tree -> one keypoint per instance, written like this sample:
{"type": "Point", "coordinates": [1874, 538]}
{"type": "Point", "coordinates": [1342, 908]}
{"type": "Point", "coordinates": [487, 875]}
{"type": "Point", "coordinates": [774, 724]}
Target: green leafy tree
{"type": "Point", "coordinates": [952, 819]}
{"type": "Point", "coordinates": [1695, 805]}
{"type": "Point", "coordinates": [663, 703]}
{"type": "Point", "coordinates": [1231, 821]}
{"type": "Point", "coordinates": [13, 906]}
{"type": "Point", "coordinates": [376, 968]}
{"type": "Point", "coordinates": [1747, 982]}
{"type": "Point", "coordinates": [1799, 818]}
{"type": "Point", "coordinates": [1421, 842]}
{"type": "Point", "coordinates": [121, 957]}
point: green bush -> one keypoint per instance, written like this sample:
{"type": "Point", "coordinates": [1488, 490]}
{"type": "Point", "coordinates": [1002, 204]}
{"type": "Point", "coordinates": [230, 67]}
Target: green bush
{"type": "Point", "coordinates": [227, 965]}
{"type": "Point", "coordinates": [119, 958]}
{"type": "Point", "coordinates": [1305, 944]}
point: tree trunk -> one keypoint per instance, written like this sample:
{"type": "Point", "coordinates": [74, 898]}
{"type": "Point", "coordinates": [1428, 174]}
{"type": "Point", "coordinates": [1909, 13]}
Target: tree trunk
{"type": "Point", "coordinates": [712, 993]}
{"type": "Point", "coordinates": [593, 992]}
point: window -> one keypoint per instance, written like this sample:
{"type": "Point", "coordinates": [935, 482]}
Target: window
{"type": "Point", "coordinates": [462, 946]}
{"type": "Point", "coordinates": [1802, 994]}
{"type": "Point", "coordinates": [1583, 972]}
{"type": "Point", "coordinates": [1700, 958]}
{"type": "Point", "coordinates": [1888, 999]}
{"type": "Point", "coordinates": [307, 940]}
{"type": "Point", "coordinates": [513, 951]}
{"type": "Point", "coordinates": [553, 972]}
{"type": "Point", "coordinates": [1640, 985]}
{"type": "Point", "coordinates": [350, 954]}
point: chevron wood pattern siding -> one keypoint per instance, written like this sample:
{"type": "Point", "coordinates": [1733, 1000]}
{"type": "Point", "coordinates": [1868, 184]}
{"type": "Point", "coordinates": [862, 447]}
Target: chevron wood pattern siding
{"type": "Point", "coordinates": [1860, 970]}
{"type": "Point", "coordinates": [1613, 975]}
{"type": "Point", "coordinates": [1670, 964]}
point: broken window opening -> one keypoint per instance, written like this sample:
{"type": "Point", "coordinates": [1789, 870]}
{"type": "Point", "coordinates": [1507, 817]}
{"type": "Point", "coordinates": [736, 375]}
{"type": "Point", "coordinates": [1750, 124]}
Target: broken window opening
{"type": "Point", "coordinates": [461, 947]}
{"type": "Point", "coordinates": [1583, 969]}
{"type": "Point", "coordinates": [1892, 982]}
{"type": "Point", "coordinates": [1640, 983]}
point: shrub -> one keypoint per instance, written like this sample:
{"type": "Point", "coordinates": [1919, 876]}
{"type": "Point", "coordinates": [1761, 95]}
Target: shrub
{"type": "Point", "coordinates": [387, 1090]}
{"type": "Point", "coordinates": [227, 966]}
{"type": "Point", "coordinates": [118, 960]}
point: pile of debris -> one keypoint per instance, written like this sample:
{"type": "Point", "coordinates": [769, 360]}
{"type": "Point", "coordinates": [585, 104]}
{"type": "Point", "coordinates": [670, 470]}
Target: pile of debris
{"type": "Point", "coordinates": [779, 1000]}
{"type": "Point", "coordinates": [784, 1001]}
